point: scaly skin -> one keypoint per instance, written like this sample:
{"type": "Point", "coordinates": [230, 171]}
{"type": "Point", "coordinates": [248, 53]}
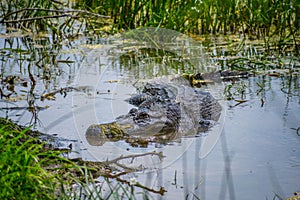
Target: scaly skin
{"type": "Point", "coordinates": [166, 110]}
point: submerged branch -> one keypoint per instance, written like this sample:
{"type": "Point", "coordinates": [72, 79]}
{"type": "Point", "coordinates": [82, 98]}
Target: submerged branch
{"type": "Point", "coordinates": [50, 16]}
{"type": "Point", "coordinates": [64, 91]}
{"type": "Point", "coordinates": [104, 169]}
{"type": "Point", "coordinates": [99, 168]}
{"type": "Point", "coordinates": [36, 18]}
{"type": "Point", "coordinates": [161, 190]}
{"type": "Point", "coordinates": [30, 108]}
{"type": "Point", "coordinates": [159, 154]}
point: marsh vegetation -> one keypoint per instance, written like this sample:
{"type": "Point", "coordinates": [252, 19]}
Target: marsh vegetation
{"type": "Point", "coordinates": [43, 44]}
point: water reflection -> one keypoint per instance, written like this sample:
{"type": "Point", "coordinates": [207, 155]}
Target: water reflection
{"type": "Point", "coordinates": [257, 154]}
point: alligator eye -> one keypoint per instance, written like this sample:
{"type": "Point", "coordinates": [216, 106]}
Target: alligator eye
{"type": "Point", "coordinates": [143, 115]}
{"type": "Point", "coordinates": [139, 99]}
{"type": "Point", "coordinates": [133, 112]}
{"type": "Point", "coordinates": [142, 118]}
{"type": "Point", "coordinates": [205, 123]}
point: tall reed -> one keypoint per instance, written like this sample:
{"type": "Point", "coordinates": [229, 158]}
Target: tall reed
{"type": "Point", "coordinates": [256, 17]}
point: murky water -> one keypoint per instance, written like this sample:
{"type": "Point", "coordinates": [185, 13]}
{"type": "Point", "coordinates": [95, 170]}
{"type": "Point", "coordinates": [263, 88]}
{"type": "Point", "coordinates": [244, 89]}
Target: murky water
{"type": "Point", "coordinates": [255, 150]}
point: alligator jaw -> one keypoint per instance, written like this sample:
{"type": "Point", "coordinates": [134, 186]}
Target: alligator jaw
{"type": "Point", "coordinates": [98, 134]}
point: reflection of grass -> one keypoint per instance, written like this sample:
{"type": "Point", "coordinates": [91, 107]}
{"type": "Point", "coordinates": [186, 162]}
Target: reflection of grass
{"type": "Point", "coordinates": [149, 60]}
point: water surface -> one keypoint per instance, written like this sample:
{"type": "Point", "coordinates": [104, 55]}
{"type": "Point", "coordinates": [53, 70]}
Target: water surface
{"type": "Point", "coordinates": [256, 153]}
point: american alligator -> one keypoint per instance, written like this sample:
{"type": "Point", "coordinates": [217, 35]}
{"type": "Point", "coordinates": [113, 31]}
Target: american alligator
{"type": "Point", "coordinates": [166, 109]}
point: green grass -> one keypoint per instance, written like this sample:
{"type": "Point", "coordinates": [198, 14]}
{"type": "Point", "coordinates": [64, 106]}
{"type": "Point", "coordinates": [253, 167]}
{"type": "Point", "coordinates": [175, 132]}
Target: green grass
{"type": "Point", "coordinates": [276, 22]}
{"type": "Point", "coordinates": [30, 169]}
{"type": "Point", "coordinates": [259, 17]}
{"type": "Point", "coordinates": [21, 159]}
